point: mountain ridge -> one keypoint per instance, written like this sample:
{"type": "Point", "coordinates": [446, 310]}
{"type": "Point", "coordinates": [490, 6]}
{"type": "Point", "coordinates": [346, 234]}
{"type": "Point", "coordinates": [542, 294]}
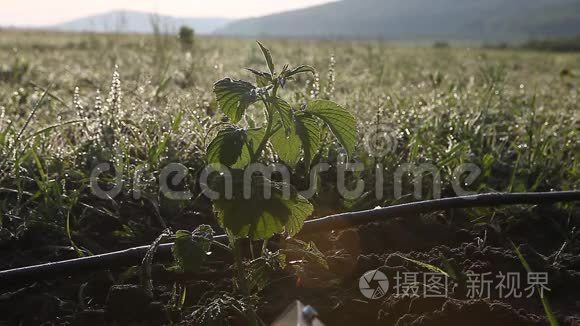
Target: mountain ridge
{"type": "Point", "coordinates": [490, 20]}
{"type": "Point", "coordinates": [129, 21]}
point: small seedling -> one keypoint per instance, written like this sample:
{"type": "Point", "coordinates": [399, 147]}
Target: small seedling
{"type": "Point", "coordinates": [295, 135]}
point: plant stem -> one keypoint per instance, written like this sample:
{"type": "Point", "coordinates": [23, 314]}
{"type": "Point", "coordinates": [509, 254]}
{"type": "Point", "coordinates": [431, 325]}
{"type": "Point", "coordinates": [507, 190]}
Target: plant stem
{"type": "Point", "coordinates": [241, 275]}
{"type": "Point", "coordinates": [264, 246]}
{"type": "Point", "coordinates": [269, 131]}
{"type": "Point", "coordinates": [267, 135]}
{"type": "Point", "coordinates": [242, 279]}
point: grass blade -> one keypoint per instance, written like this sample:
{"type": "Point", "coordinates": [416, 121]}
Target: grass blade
{"type": "Point", "coordinates": [547, 308]}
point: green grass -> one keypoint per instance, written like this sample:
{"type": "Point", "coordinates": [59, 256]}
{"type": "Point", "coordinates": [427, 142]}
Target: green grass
{"type": "Point", "coordinates": [510, 112]}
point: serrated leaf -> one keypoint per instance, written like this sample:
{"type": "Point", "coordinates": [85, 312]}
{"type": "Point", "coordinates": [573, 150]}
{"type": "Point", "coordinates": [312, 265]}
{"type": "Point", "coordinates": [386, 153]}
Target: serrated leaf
{"type": "Point", "coordinates": [261, 268]}
{"type": "Point", "coordinates": [268, 57]}
{"type": "Point", "coordinates": [254, 138]}
{"type": "Point", "coordinates": [287, 146]}
{"type": "Point", "coordinates": [234, 97]}
{"type": "Point", "coordinates": [307, 251]}
{"type": "Point", "coordinates": [229, 147]}
{"type": "Point", "coordinates": [305, 134]}
{"type": "Point", "coordinates": [284, 113]}
{"type": "Point", "coordinates": [285, 141]}
{"type": "Point", "coordinates": [234, 147]}
{"type": "Point", "coordinates": [300, 70]}
{"type": "Point", "coordinates": [258, 217]}
{"type": "Point", "coordinates": [258, 274]}
{"type": "Point", "coordinates": [263, 79]}
{"type": "Point", "coordinates": [341, 122]}
{"type": "Point", "coordinates": [190, 249]}
{"type": "Point", "coordinates": [284, 70]}
{"type": "Point", "coordinates": [309, 132]}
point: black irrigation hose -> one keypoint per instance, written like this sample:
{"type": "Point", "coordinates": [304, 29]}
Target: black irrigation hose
{"type": "Point", "coordinates": [135, 255]}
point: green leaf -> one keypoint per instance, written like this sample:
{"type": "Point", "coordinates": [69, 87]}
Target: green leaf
{"type": "Point", "coordinates": [306, 251]}
{"type": "Point", "coordinates": [257, 217]}
{"type": "Point", "coordinates": [309, 132]}
{"type": "Point", "coordinates": [234, 147]}
{"type": "Point", "coordinates": [263, 79]}
{"type": "Point", "coordinates": [261, 269]}
{"type": "Point", "coordinates": [234, 97]}
{"type": "Point", "coordinates": [305, 135]}
{"type": "Point", "coordinates": [452, 269]}
{"type": "Point", "coordinates": [254, 138]}
{"type": "Point", "coordinates": [523, 260]}
{"type": "Point", "coordinates": [258, 274]}
{"type": "Point", "coordinates": [300, 70]}
{"type": "Point", "coordinates": [429, 267]}
{"type": "Point", "coordinates": [191, 248]}
{"type": "Point", "coordinates": [229, 147]}
{"type": "Point", "coordinates": [286, 141]}
{"type": "Point", "coordinates": [341, 122]}
{"type": "Point", "coordinates": [268, 57]}
{"type": "Point", "coordinates": [285, 114]}
{"type": "Point", "coordinates": [545, 302]}
{"type": "Point", "coordinates": [287, 146]}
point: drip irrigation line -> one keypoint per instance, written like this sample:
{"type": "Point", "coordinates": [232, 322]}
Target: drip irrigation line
{"type": "Point", "coordinates": [134, 256]}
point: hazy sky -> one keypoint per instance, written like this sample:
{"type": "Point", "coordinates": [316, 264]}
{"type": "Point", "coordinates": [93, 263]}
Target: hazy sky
{"type": "Point", "coordinates": [46, 12]}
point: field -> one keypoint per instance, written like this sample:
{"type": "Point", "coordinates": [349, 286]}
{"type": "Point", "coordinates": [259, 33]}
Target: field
{"type": "Point", "coordinates": [144, 102]}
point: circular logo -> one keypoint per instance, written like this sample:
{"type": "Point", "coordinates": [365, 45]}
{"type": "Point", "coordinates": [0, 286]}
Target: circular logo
{"type": "Point", "coordinates": [380, 140]}
{"type": "Point", "coordinates": [373, 284]}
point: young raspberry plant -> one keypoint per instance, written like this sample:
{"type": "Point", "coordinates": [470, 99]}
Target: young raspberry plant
{"type": "Point", "coordinates": [294, 134]}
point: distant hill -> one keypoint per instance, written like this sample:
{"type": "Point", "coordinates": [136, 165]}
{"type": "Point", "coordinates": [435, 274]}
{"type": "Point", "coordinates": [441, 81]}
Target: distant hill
{"type": "Point", "coordinates": [486, 20]}
{"type": "Point", "coordinates": [139, 22]}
